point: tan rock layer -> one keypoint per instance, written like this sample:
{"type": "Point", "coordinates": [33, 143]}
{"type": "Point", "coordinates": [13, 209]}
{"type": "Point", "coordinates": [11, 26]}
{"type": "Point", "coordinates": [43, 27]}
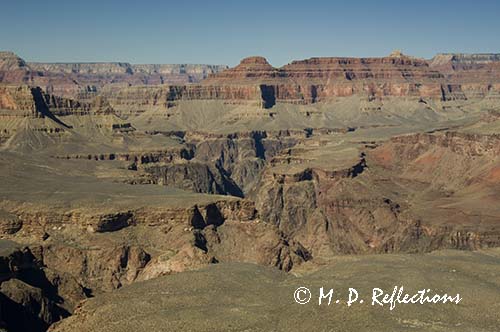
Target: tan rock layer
{"type": "Point", "coordinates": [25, 100]}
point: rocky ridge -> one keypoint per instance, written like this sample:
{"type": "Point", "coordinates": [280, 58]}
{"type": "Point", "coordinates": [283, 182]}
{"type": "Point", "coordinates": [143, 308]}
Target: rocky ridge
{"type": "Point", "coordinates": [71, 79]}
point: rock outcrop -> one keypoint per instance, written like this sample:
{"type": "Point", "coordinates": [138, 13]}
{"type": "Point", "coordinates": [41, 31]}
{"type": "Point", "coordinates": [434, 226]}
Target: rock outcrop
{"type": "Point", "coordinates": [24, 100]}
{"type": "Point", "coordinates": [349, 209]}
{"type": "Point", "coordinates": [13, 68]}
{"type": "Point", "coordinates": [221, 164]}
{"type": "Point", "coordinates": [32, 296]}
{"type": "Point", "coordinates": [103, 251]}
{"type": "Point", "coordinates": [252, 68]}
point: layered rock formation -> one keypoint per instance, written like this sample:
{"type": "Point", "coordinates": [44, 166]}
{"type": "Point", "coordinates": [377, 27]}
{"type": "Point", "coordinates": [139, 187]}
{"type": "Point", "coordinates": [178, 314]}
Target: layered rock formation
{"type": "Point", "coordinates": [255, 68]}
{"type": "Point", "coordinates": [32, 101]}
{"type": "Point", "coordinates": [350, 209]}
{"type": "Point", "coordinates": [478, 75]}
{"type": "Point", "coordinates": [317, 79]}
{"type": "Point", "coordinates": [162, 73]}
{"type": "Point", "coordinates": [91, 76]}
{"type": "Point", "coordinates": [221, 164]}
{"type": "Point", "coordinates": [33, 296]}
{"type": "Point", "coordinates": [468, 68]}
{"type": "Point", "coordinates": [255, 81]}
{"type": "Point", "coordinates": [72, 79]}
{"type": "Point", "coordinates": [395, 68]}
{"type": "Point", "coordinates": [13, 68]}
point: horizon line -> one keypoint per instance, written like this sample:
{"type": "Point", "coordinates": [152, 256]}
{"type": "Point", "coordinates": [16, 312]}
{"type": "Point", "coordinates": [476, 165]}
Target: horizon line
{"type": "Point", "coordinates": [250, 56]}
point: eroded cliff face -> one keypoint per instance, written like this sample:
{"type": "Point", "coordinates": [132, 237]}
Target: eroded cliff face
{"type": "Point", "coordinates": [334, 211]}
{"type": "Point", "coordinates": [457, 175]}
{"type": "Point", "coordinates": [255, 68]}
{"type": "Point", "coordinates": [74, 80]}
{"type": "Point", "coordinates": [365, 206]}
{"type": "Point", "coordinates": [33, 296]}
{"type": "Point", "coordinates": [396, 68]}
{"type": "Point", "coordinates": [184, 73]}
{"type": "Point", "coordinates": [17, 98]}
{"type": "Point", "coordinates": [445, 160]}
{"type": "Point", "coordinates": [104, 250]}
{"type": "Point", "coordinates": [66, 255]}
{"type": "Point", "coordinates": [135, 100]}
{"type": "Point", "coordinates": [24, 100]}
{"type": "Point", "coordinates": [370, 206]}
{"type": "Point", "coordinates": [468, 68]}
{"type": "Point", "coordinates": [73, 263]}
{"type": "Point", "coordinates": [319, 79]}
{"type": "Point", "coordinates": [254, 81]}
{"type": "Point", "coordinates": [32, 119]}
{"type": "Point", "coordinates": [13, 69]}
{"type": "Point", "coordinates": [222, 164]}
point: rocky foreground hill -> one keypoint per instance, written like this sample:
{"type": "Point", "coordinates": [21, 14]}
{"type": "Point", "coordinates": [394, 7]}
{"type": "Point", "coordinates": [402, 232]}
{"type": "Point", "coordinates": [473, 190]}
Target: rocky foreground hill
{"type": "Point", "coordinates": [118, 176]}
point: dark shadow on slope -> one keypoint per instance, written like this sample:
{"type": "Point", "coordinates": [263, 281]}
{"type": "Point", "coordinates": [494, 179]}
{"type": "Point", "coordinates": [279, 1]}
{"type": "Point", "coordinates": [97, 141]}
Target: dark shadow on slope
{"type": "Point", "coordinates": [18, 318]}
{"type": "Point", "coordinates": [260, 150]}
{"type": "Point", "coordinates": [43, 109]}
{"type": "Point", "coordinates": [228, 186]}
{"type": "Point", "coordinates": [359, 167]}
{"type": "Point", "coordinates": [268, 96]}
{"type": "Point", "coordinates": [214, 216]}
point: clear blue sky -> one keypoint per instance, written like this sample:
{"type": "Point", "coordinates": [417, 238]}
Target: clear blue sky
{"type": "Point", "coordinates": [191, 31]}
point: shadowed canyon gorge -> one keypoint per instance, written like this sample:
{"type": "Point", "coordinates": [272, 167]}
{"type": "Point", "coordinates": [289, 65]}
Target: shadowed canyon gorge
{"type": "Point", "coordinates": [120, 180]}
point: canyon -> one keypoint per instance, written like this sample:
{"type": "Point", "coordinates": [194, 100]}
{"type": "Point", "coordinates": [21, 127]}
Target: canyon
{"type": "Point", "coordinates": [117, 180]}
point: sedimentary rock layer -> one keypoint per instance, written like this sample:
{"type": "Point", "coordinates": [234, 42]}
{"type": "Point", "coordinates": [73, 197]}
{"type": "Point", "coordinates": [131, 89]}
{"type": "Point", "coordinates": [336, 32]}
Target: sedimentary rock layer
{"type": "Point", "coordinates": [33, 101]}
{"type": "Point", "coordinates": [71, 79]}
{"type": "Point", "coordinates": [479, 67]}
{"type": "Point", "coordinates": [255, 81]}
